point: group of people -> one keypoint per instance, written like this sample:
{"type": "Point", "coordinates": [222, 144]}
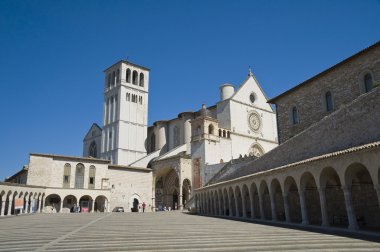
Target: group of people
{"type": "Point", "coordinates": [75, 208]}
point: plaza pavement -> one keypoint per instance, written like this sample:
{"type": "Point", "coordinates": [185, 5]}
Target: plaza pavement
{"type": "Point", "coordinates": [162, 231]}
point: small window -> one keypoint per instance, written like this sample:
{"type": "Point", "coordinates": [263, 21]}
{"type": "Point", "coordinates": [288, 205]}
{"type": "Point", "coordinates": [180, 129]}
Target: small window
{"type": "Point", "coordinates": [211, 129]}
{"type": "Point", "coordinates": [91, 181]}
{"type": "Point", "coordinates": [228, 134]}
{"type": "Point", "coordinates": [66, 179]}
{"type": "Point", "coordinates": [128, 96]}
{"type": "Point", "coordinates": [329, 102]}
{"type": "Point", "coordinates": [113, 78]}
{"type": "Point", "coordinates": [296, 119]}
{"type": "Point", "coordinates": [134, 77]}
{"type": "Point", "coordinates": [368, 82]}
{"type": "Point", "coordinates": [141, 79]}
{"type": "Point", "coordinates": [224, 133]}
{"type": "Point", "coordinates": [252, 98]}
{"type": "Point", "coordinates": [117, 76]}
{"type": "Point", "coordinates": [128, 75]}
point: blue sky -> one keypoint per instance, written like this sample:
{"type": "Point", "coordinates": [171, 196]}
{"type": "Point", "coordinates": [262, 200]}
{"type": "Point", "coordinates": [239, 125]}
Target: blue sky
{"type": "Point", "coordinates": [53, 53]}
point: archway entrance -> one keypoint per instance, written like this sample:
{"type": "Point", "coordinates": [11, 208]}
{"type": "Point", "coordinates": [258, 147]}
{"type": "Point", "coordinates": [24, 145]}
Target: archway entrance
{"type": "Point", "coordinates": [101, 204]}
{"type": "Point", "coordinates": [167, 189]}
{"type": "Point", "coordinates": [53, 203]}
{"type": "Point", "coordinates": [135, 205]}
{"type": "Point", "coordinates": [85, 204]}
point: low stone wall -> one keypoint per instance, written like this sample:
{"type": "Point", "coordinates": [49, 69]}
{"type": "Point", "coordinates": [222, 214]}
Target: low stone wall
{"type": "Point", "coordinates": [352, 125]}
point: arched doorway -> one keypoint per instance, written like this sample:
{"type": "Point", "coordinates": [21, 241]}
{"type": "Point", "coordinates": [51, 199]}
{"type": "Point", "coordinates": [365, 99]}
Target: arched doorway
{"type": "Point", "coordinates": [278, 201]}
{"type": "Point", "coordinates": [293, 200]}
{"type": "Point", "coordinates": [265, 201]}
{"type": "Point", "coordinates": [167, 189]}
{"type": "Point", "coordinates": [86, 203]}
{"type": "Point", "coordinates": [333, 197]}
{"type": "Point", "coordinates": [68, 203]}
{"type": "Point", "coordinates": [363, 196]}
{"type": "Point", "coordinates": [134, 203]}
{"type": "Point", "coordinates": [247, 201]}
{"type": "Point", "coordinates": [101, 204]}
{"type": "Point", "coordinates": [53, 203]}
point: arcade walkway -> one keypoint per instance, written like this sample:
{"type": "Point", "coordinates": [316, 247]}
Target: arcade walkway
{"type": "Point", "coordinates": [164, 231]}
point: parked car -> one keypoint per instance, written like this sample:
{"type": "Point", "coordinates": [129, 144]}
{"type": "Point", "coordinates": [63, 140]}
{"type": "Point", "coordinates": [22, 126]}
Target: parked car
{"type": "Point", "coordinates": [118, 209]}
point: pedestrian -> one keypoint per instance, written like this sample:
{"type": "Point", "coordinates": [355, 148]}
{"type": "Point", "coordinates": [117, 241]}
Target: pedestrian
{"type": "Point", "coordinates": [143, 206]}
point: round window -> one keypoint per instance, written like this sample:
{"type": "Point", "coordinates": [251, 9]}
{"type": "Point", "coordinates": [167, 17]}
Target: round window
{"type": "Point", "coordinates": [252, 97]}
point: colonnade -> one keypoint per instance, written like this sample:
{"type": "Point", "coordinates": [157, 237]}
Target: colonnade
{"type": "Point", "coordinates": [340, 194]}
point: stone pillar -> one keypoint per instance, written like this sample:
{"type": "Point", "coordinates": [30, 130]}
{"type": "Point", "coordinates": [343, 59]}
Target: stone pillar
{"type": "Point", "coordinates": [286, 207]}
{"type": "Point", "coordinates": [10, 207]}
{"type": "Point", "coordinates": [353, 224]}
{"type": "Point", "coordinates": [273, 206]}
{"type": "Point", "coordinates": [180, 206]}
{"type": "Point", "coordinates": [305, 219]}
{"type": "Point", "coordinates": [60, 210]}
{"type": "Point", "coordinates": [2, 208]}
{"type": "Point", "coordinates": [244, 209]}
{"type": "Point", "coordinates": [262, 215]}
{"type": "Point", "coordinates": [39, 205]}
{"type": "Point", "coordinates": [26, 206]}
{"type": "Point", "coordinates": [322, 198]}
{"type": "Point", "coordinates": [93, 206]}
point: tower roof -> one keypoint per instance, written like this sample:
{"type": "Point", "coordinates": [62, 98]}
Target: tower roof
{"type": "Point", "coordinates": [129, 63]}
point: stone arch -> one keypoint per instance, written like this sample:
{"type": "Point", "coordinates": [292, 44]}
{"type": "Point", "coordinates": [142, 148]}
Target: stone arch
{"type": "Point", "coordinates": [2, 203]}
{"type": "Point", "coordinates": [53, 203]}
{"type": "Point", "coordinates": [256, 150]}
{"type": "Point", "coordinates": [134, 77]}
{"type": "Point", "coordinates": [8, 203]}
{"type": "Point", "coordinates": [128, 75]}
{"type": "Point", "coordinates": [265, 203]}
{"type": "Point", "coordinates": [247, 201]}
{"type": "Point", "coordinates": [134, 202]}
{"type": "Point", "coordinates": [86, 204]}
{"type": "Point", "coordinates": [363, 196]}
{"type": "Point", "coordinates": [226, 202]}
{"type": "Point", "coordinates": [69, 202]}
{"type": "Point", "coordinates": [141, 84]}
{"type": "Point", "coordinates": [255, 198]}
{"type": "Point", "coordinates": [293, 199]}
{"type": "Point", "coordinates": [239, 202]}
{"type": "Point", "coordinates": [309, 192]}
{"type": "Point", "coordinates": [278, 210]}
{"type": "Point", "coordinates": [14, 196]}
{"type": "Point", "coordinates": [101, 204]}
{"type": "Point", "coordinates": [232, 202]}
{"type": "Point", "coordinates": [331, 189]}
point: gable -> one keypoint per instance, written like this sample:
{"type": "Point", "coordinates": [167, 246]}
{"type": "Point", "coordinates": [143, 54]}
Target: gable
{"type": "Point", "coordinates": [251, 86]}
{"type": "Point", "coordinates": [94, 131]}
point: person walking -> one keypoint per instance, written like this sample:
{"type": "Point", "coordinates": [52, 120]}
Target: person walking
{"type": "Point", "coordinates": [143, 206]}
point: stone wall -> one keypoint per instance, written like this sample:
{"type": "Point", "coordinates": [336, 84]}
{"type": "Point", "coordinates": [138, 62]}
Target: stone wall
{"type": "Point", "coordinates": [351, 125]}
{"type": "Point", "coordinates": [345, 81]}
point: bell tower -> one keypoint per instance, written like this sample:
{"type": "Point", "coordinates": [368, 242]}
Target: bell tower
{"type": "Point", "coordinates": [125, 114]}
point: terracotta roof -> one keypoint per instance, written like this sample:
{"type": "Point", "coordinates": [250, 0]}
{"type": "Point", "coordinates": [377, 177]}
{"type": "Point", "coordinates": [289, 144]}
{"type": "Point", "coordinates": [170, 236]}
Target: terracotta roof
{"type": "Point", "coordinates": [308, 160]}
{"type": "Point", "coordinates": [273, 100]}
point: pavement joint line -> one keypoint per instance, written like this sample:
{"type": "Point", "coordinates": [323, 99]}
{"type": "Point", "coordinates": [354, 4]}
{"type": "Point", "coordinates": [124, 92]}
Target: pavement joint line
{"type": "Point", "coordinates": [63, 237]}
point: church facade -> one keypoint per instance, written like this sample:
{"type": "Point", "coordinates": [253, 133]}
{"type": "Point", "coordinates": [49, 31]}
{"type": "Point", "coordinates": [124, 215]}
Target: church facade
{"type": "Point", "coordinates": [126, 162]}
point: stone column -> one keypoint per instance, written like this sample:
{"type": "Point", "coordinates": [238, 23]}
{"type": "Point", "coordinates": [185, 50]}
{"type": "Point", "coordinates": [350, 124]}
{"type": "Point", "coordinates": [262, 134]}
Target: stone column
{"type": "Point", "coordinates": [236, 207]}
{"type": "Point", "coordinates": [305, 220]}
{"type": "Point", "coordinates": [273, 206]}
{"type": "Point", "coordinates": [60, 210]}
{"type": "Point", "coordinates": [220, 206]}
{"type": "Point", "coordinates": [180, 206]}
{"type": "Point", "coordinates": [2, 208]}
{"type": "Point", "coordinates": [93, 206]}
{"type": "Point", "coordinates": [261, 207]}
{"type": "Point", "coordinates": [286, 207]}
{"type": "Point", "coordinates": [10, 207]}
{"type": "Point", "coordinates": [353, 224]}
{"type": "Point", "coordinates": [39, 205]}
{"type": "Point", "coordinates": [26, 206]}
{"type": "Point", "coordinates": [322, 198]}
